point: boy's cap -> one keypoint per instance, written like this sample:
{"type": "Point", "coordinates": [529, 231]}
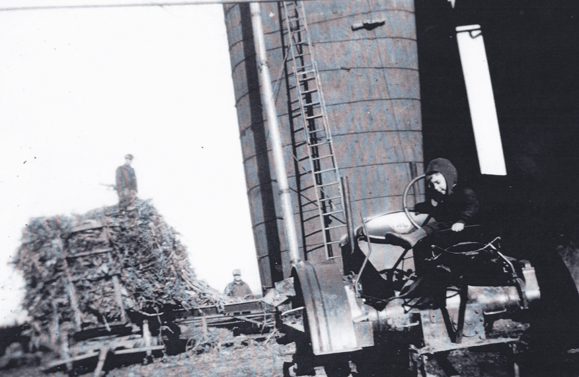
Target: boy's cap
{"type": "Point", "coordinates": [129, 156]}
{"type": "Point", "coordinates": [237, 271]}
{"type": "Point", "coordinates": [446, 168]}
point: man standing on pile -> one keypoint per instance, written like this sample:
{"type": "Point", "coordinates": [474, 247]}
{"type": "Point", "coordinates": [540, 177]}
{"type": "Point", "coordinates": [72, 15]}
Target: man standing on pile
{"type": "Point", "coordinates": [126, 184]}
{"type": "Point", "coordinates": [238, 289]}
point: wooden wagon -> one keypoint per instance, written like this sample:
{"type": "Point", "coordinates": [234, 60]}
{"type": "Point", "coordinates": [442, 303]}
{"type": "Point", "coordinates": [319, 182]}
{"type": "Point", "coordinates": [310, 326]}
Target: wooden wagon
{"type": "Point", "coordinates": [94, 332]}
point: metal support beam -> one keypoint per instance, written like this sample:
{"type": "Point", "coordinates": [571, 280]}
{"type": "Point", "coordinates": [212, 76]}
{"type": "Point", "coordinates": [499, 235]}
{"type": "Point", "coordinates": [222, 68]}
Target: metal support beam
{"type": "Point", "coordinates": [19, 5]}
{"type": "Point", "coordinates": [273, 126]}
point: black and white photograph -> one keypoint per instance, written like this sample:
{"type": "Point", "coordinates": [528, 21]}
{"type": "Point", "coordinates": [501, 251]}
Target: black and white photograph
{"type": "Point", "coordinates": [339, 188]}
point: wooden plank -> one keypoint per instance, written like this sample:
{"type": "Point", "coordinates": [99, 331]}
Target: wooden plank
{"type": "Point", "coordinates": [60, 362]}
{"type": "Point", "coordinates": [93, 278]}
{"type": "Point", "coordinates": [87, 253]}
{"type": "Point", "coordinates": [87, 225]}
{"type": "Point", "coordinates": [135, 350]}
{"type": "Point", "coordinates": [117, 285]}
{"type": "Point", "coordinates": [72, 296]}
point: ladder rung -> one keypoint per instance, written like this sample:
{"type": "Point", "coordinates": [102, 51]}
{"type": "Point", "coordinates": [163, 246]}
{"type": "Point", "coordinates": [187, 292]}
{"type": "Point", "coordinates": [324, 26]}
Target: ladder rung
{"type": "Point", "coordinates": [294, 26]}
{"type": "Point", "coordinates": [316, 133]}
{"type": "Point", "coordinates": [315, 116]}
{"type": "Point", "coordinates": [305, 76]}
{"type": "Point", "coordinates": [317, 171]}
{"type": "Point", "coordinates": [329, 184]}
{"type": "Point", "coordinates": [333, 197]}
{"type": "Point", "coordinates": [331, 213]}
{"type": "Point", "coordinates": [305, 72]}
{"type": "Point", "coordinates": [312, 104]}
{"type": "Point", "coordinates": [332, 242]}
{"type": "Point", "coordinates": [319, 158]}
{"type": "Point", "coordinates": [296, 56]}
{"type": "Point", "coordinates": [325, 171]}
{"type": "Point", "coordinates": [335, 227]}
{"type": "Point", "coordinates": [309, 91]}
{"type": "Point", "coordinates": [318, 144]}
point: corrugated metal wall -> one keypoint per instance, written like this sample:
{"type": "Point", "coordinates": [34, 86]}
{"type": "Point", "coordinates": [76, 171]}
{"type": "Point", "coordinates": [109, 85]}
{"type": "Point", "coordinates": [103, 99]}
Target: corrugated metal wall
{"type": "Point", "coordinates": [371, 88]}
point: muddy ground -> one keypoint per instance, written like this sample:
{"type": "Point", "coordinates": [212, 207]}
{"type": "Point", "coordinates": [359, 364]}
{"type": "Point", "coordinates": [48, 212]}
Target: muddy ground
{"type": "Point", "coordinates": [267, 360]}
{"type": "Point", "coordinates": [258, 360]}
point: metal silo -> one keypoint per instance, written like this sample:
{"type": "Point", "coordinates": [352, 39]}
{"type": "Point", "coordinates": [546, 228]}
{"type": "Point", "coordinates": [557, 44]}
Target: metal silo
{"type": "Point", "coordinates": [367, 61]}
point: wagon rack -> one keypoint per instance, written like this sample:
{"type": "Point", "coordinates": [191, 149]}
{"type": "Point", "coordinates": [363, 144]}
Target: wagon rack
{"type": "Point", "coordinates": [252, 317]}
{"type": "Point", "coordinates": [120, 336]}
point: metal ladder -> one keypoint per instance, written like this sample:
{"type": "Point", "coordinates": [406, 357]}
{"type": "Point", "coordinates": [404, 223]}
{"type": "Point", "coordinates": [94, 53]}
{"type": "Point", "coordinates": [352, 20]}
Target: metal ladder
{"type": "Point", "coordinates": [312, 141]}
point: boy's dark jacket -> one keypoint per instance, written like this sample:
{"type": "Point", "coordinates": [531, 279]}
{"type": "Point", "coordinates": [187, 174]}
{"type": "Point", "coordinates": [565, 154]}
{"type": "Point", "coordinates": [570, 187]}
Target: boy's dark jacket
{"type": "Point", "coordinates": [459, 204]}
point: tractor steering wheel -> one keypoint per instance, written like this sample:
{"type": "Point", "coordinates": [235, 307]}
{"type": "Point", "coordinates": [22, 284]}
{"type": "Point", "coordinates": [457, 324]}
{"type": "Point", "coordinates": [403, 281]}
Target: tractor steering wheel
{"type": "Point", "coordinates": [406, 211]}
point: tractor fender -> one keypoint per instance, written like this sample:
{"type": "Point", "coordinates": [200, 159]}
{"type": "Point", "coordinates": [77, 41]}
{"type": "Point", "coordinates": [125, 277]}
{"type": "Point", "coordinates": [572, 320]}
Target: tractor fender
{"type": "Point", "coordinates": [329, 317]}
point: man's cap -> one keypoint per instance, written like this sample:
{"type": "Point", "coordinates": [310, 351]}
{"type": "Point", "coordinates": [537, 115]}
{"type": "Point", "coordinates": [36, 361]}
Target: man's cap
{"type": "Point", "coordinates": [129, 156]}
{"type": "Point", "coordinates": [237, 271]}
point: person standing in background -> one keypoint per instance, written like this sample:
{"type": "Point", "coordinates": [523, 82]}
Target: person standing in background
{"type": "Point", "coordinates": [126, 183]}
{"type": "Point", "coordinates": [238, 289]}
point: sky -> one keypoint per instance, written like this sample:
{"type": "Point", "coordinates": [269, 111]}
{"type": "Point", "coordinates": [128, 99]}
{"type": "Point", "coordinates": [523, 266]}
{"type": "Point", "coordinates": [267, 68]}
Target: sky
{"type": "Point", "coordinates": [80, 88]}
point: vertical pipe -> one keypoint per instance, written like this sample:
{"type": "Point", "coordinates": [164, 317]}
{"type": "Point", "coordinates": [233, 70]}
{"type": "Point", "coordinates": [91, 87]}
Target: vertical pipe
{"type": "Point", "coordinates": [284, 192]}
{"type": "Point", "coordinates": [348, 208]}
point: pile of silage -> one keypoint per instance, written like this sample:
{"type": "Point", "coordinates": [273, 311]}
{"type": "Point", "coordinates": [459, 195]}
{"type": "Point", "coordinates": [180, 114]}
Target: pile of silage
{"type": "Point", "coordinates": [136, 248]}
